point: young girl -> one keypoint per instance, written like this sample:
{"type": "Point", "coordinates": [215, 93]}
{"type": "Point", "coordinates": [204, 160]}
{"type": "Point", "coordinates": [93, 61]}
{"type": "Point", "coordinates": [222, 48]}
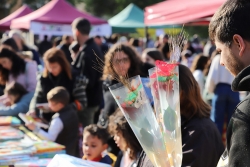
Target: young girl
{"type": "Point", "coordinates": [19, 99]}
{"type": "Point", "coordinates": [125, 139]}
{"type": "Point", "coordinates": [198, 68]}
{"type": "Point", "coordinates": [57, 72]}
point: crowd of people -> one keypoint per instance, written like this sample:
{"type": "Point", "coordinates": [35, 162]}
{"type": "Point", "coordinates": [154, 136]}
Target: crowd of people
{"type": "Point", "coordinates": [57, 83]}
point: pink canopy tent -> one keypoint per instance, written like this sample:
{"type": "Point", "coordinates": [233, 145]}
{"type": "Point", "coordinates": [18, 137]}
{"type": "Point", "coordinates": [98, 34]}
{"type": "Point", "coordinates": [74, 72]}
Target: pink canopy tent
{"type": "Point", "coordinates": [5, 22]}
{"type": "Point", "coordinates": [54, 12]}
{"type": "Point", "coordinates": [181, 11]}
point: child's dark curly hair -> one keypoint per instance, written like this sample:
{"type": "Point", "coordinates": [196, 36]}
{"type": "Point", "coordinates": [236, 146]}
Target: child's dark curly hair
{"type": "Point", "coordinates": [119, 124]}
{"type": "Point", "coordinates": [100, 133]}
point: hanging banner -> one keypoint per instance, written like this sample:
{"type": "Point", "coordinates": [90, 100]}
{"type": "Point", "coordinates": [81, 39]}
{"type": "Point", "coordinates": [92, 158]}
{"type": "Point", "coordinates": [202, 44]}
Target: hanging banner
{"type": "Point", "coordinates": [65, 29]}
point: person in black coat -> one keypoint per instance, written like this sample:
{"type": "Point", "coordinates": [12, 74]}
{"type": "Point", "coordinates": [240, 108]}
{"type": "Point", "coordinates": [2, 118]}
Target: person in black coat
{"type": "Point", "coordinates": [64, 46]}
{"type": "Point", "coordinates": [57, 72]}
{"type": "Point", "coordinates": [44, 45]}
{"type": "Point", "coordinates": [201, 141]}
{"type": "Point", "coordinates": [84, 64]}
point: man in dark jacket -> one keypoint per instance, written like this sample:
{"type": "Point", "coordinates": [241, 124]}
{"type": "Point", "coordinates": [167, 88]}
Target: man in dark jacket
{"type": "Point", "coordinates": [229, 28]}
{"type": "Point", "coordinates": [64, 46]}
{"type": "Point", "coordinates": [44, 45]}
{"type": "Point", "coordinates": [84, 64]}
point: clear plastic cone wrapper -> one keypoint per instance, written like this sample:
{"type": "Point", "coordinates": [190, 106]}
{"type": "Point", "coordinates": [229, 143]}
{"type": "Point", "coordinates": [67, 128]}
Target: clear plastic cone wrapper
{"type": "Point", "coordinates": [164, 82]}
{"type": "Point", "coordinates": [135, 105]}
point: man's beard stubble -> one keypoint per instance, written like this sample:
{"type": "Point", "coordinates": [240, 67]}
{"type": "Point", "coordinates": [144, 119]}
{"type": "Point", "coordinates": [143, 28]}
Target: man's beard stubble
{"type": "Point", "coordinates": [234, 65]}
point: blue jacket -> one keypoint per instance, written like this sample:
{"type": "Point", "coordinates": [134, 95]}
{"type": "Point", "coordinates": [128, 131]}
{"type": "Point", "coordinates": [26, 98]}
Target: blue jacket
{"type": "Point", "coordinates": [22, 106]}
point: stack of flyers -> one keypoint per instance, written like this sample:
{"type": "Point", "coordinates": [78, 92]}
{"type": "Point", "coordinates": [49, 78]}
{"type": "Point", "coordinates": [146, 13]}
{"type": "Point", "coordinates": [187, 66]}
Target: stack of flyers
{"type": "Point", "coordinates": [5, 120]}
{"type": "Point", "coordinates": [47, 146]}
{"type": "Point", "coordinates": [49, 154]}
{"type": "Point", "coordinates": [9, 133]}
{"type": "Point", "coordinates": [17, 147]}
{"type": "Point", "coordinates": [11, 160]}
{"type": "Point", "coordinates": [9, 120]}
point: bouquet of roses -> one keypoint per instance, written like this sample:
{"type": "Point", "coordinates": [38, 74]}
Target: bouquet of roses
{"type": "Point", "coordinates": [133, 102]}
{"type": "Point", "coordinates": [164, 79]}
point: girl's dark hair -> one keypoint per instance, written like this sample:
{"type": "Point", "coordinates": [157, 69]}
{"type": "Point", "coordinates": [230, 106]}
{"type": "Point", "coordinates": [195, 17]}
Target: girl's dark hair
{"type": "Point", "coordinates": [189, 89]}
{"type": "Point", "coordinates": [135, 60]}
{"type": "Point", "coordinates": [55, 55]}
{"type": "Point", "coordinates": [11, 43]}
{"type": "Point", "coordinates": [134, 42]}
{"type": "Point", "coordinates": [119, 124]}
{"type": "Point", "coordinates": [154, 54]}
{"type": "Point", "coordinates": [199, 63]}
{"type": "Point", "coordinates": [74, 47]}
{"type": "Point", "coordinates": [16, 89]}
{"type": "Point", "coordinates": [165, 51]}
{"type": "Point", "coordinates": [18, 64]}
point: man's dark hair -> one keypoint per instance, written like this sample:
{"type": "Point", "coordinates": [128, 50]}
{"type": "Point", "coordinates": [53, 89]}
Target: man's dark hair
{"type": "Point", "coordinates": [100, 133]}
{"type": "Point", "coordinates": [231, 18]}
{"type": "Point", "coordinates": [45, 37]}
{"type": "Point", "coordinates": [59, 95]}
{"type": "Point", "coordinates": [82, 25]}
{"type": "Point", "coordinates": [98, 36]}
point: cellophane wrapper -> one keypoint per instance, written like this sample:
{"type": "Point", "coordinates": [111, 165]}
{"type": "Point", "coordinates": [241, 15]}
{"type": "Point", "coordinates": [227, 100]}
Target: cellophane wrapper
{"type": "Point", "coordinates": [134, 104]}
{"type": "Point", "coordinates": [164, 81]}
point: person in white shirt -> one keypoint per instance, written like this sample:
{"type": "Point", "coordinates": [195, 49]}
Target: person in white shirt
{"type": "Point", "coordinates": [197, 69]}
{"type": "Point", "coordinates": [219, 82]}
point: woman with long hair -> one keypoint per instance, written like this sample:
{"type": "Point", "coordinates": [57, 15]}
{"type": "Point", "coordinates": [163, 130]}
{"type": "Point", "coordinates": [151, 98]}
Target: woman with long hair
{"type": "Point", "coordinates": [201, 141]}
{"type": "Point", "coordinates": [120, 61]}
{"type": "Point", "coordinates": [198, 66]}
{"type": "Point", "coordinates": [57, 72]}
{"type": "Point", "coordinates": [15, 69]}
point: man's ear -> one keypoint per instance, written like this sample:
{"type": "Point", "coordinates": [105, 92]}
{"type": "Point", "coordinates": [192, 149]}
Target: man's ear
{"type": "Point", "coordinates": [105, 146]}
{"type": "Point", "coordinates": [240, 43]}
{"type": "Point", "coordinates": [76, 32]}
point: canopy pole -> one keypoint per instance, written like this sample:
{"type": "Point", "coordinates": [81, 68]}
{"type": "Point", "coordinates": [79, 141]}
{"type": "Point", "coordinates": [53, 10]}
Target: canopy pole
{"type": "Point", "coordinates": [146, 37]}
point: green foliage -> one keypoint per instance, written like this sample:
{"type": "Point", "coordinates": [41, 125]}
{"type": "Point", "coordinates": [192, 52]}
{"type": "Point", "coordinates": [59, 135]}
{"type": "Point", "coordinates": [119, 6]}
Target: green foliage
{"type": "Point", "coordinates": [110, 8]}
{"type": "Point", "coordinates": [202, 31]}
{"type": "Point", "coordinates": [35, 4]}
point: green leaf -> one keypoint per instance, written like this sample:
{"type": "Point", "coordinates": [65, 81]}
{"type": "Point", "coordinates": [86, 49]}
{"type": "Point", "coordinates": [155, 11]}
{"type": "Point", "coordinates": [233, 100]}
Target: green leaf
{"type": "Point", "coordinates": [169, 119]}
{"type": "Point", "coordinates": [148, 139]}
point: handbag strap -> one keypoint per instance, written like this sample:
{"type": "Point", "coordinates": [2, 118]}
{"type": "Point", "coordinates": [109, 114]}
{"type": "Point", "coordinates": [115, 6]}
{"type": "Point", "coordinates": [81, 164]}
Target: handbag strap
{"type": "Point", "coordinates": [82, 59]}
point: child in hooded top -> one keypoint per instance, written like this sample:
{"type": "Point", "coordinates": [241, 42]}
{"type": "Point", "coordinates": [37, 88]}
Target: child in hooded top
{"type": "Point", "coordinates": [19, 99]}
{"type": "Point", "coordinates": [95, 141]}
